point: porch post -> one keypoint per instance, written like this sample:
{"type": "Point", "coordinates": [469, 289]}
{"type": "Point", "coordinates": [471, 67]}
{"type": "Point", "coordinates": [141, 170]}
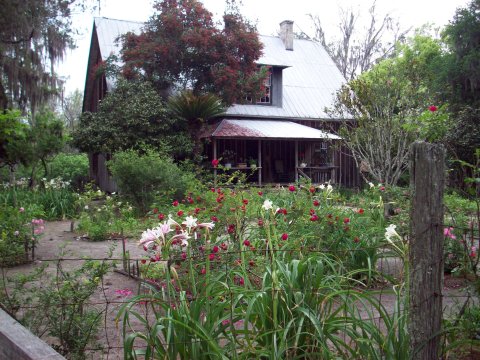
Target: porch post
{"type": "Point", "coordinates": [259, 162]}
{"type": "Point", "coordinates": [296, 160]}
{"type": "Point", "coordinates": [214, 156]}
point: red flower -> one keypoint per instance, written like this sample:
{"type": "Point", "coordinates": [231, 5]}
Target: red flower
{"type": "Point", "coordinates": [155, 211]}
{"type": "Point", "coordinates": [175, 203]}
{"type": "Point", "coordinates": [260, 222]}
{"type": "Point", "coordinates": [361, 211]}
{"type": "Point", "coordinates": [203, 271]}
{"type": "Point", "coordinates": [212, 189]}
{"type": "Point", "coordinates": [316, 203]}
{"type": "Point", "coordinates": [356, 239]}
{"type": "Point", "coordinates": [214, 218]}
{"type": "Point", "coordinates": [314, 217]}
{"type": "Point", "coordinates": [211, 257]}
{"type": "Point", "coordinates": [215, 162]}
{"type": "Point", "coordinates": [245, 201]}
{"type": "Point", "coordinates": [197, 210]}
{"type": "Point", "coordinates": [329, 216]}
{"type": "Point", "coordinates": [161, 216]}
{"type": "Point", "coordinates": [382, 188]}
{"type": "Point", "coordinates": [190, 200]}
{"type": "Point", "coordinates": [243, 208]}
{"type": "Point", "coordinates": [231, 229]}
{"type": "Point", "coordinates": [251, 263]}
{"type": "Point", "coordinates": [180, 213]}
{"type": "Point", "coordinates": [143, 261]}
{"type": "Point", "coordinates": [291, 188]}
{"type": "Point", "coordinates": [312, 189]}
{"type": "Point", "coordinates": [224, 246]}
{"type": "Point", "coordinates": [432, 108]}
{"type": "Point", "coordinates": [215, 249]}
{"type": "Point", "coordinates": [184, 255]}
{"type": "Point", "coordinates": [346, 220]}
{"type": "Point", "coordinates": [312, 211]}
{"type": "Point", "coordinates": [284, 236]}
{"type": "Point", "coordinates": [260, 193]}
{"type": "Point", "coordinates": [246, 243]}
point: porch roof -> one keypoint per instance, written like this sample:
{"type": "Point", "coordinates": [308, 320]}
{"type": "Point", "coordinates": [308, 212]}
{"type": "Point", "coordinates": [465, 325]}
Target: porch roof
{"type": "Point", "coordinates": [268, 129]}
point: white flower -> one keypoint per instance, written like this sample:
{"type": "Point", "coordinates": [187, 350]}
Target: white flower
{"type": "Point", "coordinates": [371, 185]}
{"type": "Point", "coordinates": [190, 222]}
{"type": "Point", "coordinates": [267, 205]}
{"type": "Point", "coordinates": [322, 187]}
{"type": "Point", "coordinates": [171, 222]}
{"type": "Point", "coordinates": [209, 225]}
{"type": "Point", "coordinates": [86, 207]}
{"type": "Point", "coordinates": [183, 237]}
{"type": "Point", "coordinates": [149, 236]}
{"type": "Point", "coordinates": [164, 228]}
{"type": "Point", "coordinates": [329, 187]}
{"type": "Point", "coordinates": [130, 208]}
{"type": "Point", "coordinates": [390, 232]}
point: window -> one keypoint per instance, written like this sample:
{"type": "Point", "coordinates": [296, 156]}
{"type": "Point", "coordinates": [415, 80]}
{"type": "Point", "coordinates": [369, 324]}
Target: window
{"type": "Point", "coordinates": [267, 98]}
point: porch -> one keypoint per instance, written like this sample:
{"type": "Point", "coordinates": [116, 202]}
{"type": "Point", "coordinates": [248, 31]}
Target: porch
{"type": "Point", "coordinates": [278, 152]}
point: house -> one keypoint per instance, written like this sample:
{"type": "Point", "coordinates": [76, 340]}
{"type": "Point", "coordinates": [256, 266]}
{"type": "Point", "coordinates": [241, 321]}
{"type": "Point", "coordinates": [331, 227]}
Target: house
{"type": "Point", "coordinates": [286, 133]}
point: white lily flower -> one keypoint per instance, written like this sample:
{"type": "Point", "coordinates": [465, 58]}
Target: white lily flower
{"type": "Point", "coordinates": [190, 222]}
{"type": "Point", "coordinates": [391, 232]}
{"type": "Point", "coordinates": [209, 225]}
{"type": "Point", "coordinates": [267, 205]}
{"type": "Point", "coordinates": [329, 188]}
{"type": "Point", "coordinates": [171, 222]}
{"type": "Point", "coordinates": [322, 187]}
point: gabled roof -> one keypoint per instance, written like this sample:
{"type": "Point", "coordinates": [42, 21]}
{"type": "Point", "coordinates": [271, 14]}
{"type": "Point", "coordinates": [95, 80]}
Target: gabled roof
{"type": "Point", "coordinates": [310, 77]}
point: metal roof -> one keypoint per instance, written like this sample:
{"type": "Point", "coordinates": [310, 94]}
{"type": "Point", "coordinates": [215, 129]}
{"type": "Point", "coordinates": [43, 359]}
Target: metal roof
{"type": "Point", "coordinates": [268, 129]}
{"type": "Point", "coordinates": [309, 81]}
{"type": "Point", "coordinates": [108, 32]}
{"type": "Point", "coordinates": [310, 77]}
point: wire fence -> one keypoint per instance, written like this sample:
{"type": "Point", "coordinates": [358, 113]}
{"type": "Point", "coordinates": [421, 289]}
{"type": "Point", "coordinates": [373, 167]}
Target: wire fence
{"type": "Point", "coordinates": [376, 296]}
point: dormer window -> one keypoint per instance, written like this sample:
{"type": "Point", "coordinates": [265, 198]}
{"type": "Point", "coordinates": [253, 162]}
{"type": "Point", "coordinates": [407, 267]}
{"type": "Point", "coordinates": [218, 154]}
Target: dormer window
{"type": "Point", "coordinates": [267, 98]}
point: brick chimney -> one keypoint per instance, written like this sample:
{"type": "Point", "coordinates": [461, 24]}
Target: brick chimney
{"type": "Point", "coordinates": [286, 34]}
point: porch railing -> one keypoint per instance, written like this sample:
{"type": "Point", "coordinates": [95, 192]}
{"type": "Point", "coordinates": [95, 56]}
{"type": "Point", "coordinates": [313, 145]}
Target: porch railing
{"type": "Point", "coordinates": [318, 174]}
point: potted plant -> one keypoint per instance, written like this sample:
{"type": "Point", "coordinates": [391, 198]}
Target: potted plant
{"type": "Point", "coordinates": [252, 163]}
{"type": "Point", "coordinates": [228, 156]}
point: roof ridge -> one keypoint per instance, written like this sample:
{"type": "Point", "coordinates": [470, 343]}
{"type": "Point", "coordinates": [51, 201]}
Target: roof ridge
{"type": "Point", "coordinates": [107, 18]}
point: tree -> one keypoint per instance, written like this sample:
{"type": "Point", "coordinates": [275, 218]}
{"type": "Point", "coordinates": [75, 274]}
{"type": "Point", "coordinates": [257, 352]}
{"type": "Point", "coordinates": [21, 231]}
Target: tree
{"type": "Point", "coordinates": [131, 116]}
{"type": "Point", "coordinates": [196, 110]}
{"type": "Point", "coordinates": [352, 53]}
{"type": "Point", "coordinates": [34, 35]}
{"type": "Point", "coordinates": [30, 144]}
{"type": "Point", "coordinates": [180, 47]}
{"type": "Point", "coordinates": [462, 36]}
{"type": "Point", "coordinates": [390, 104]}
{"type": "Point", "coordinates": [72, 109]}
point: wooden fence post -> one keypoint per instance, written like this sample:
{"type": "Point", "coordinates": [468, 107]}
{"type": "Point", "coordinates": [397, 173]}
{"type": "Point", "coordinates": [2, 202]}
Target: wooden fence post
{"type": "Point", "coordinates": [427, 180]}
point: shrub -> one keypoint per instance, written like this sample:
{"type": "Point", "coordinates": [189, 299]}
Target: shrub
{"type": "Point", "coordinates": [142, 176]}
{"type": "Point", "coordinates": [51, 199]}
{"type": "Point", "coordinates": [16, 235]}
{"type": "Point", "coordinates": [58, 307]}
{"type": "Point", "coordinates": [70, 167]}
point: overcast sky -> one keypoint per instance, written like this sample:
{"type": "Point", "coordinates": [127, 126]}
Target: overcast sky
{"type": "Point", "coordinates": [266, 13]}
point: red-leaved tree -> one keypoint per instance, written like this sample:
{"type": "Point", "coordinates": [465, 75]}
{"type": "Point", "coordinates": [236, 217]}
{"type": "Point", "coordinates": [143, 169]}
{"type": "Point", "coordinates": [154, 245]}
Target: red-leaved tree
{"type": "Point", "coordinates": [180, 47]}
